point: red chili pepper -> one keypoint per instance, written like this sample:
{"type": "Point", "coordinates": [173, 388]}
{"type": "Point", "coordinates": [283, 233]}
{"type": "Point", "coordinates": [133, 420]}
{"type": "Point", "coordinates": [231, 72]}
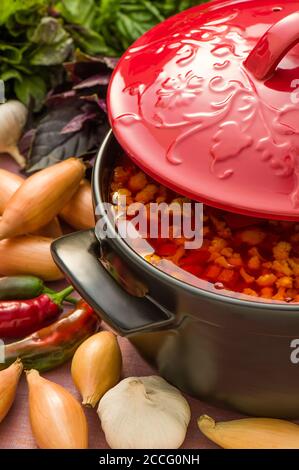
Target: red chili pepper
{"type": "Point", "coordinates": [55, 344]}
{"type": "Point", "coordinates": [19, 318]}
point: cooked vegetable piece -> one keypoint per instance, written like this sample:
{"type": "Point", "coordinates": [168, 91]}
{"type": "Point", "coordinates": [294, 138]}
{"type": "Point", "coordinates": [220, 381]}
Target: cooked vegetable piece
{"type": "Point", "coordinates": [250, 256]}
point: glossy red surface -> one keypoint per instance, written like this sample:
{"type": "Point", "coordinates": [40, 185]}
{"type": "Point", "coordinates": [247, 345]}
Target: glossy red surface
{"type": "Point", "coordinates": [189, 110]}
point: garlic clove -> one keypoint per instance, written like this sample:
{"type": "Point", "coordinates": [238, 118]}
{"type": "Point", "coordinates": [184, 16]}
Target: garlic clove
{"type": "Point", "coordinates": [57, 419]}
{"type": "Point", "coordinates": [96, 366]}
{"type": "Point", "coordinates": [9, 379]}
{"type": "Point", "coordinates": [144, 413]}
{"type": "Point", "coordinates": [251, 433]}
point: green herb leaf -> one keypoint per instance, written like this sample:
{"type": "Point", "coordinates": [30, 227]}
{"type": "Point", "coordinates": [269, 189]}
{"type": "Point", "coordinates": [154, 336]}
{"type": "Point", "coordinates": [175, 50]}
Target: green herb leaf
{"type": "Point", "coordinates": [9, 74]}
{"type": "Point", "coordinates": [10, 7]}
{"type": "Point", "coordinates": [77, 11]}
{"type": "Point", "coordinates": [36, 34]}
{"type": "Point", "coordinates": [31, 89]}
{"type": "Point", "coordinates": [48, 31]}
{"type": "Point", "coordinates": [52, 55]}
{"type": "Point", "coordinates": [54, 43]}
{"type": "Point", "coordinates": [89, 41]}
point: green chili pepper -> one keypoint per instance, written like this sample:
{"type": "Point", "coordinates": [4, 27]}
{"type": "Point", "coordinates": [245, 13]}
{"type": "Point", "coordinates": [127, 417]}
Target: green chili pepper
{"type": "Point", "coordinates": [24, 288]}
{"type": "Point", "coordinates": [20, 287]}
{"type": "Point", "coordinates": [52, 346]}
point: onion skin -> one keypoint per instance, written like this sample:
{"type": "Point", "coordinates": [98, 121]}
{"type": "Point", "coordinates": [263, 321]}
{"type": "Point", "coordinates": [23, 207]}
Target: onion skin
{"type": "Point", "coordinates": [79, 213]}
{"type": "Point", "coordinates": [56, 417]}
{"type": "Point", "coordinates": [28, 255]}
{"type": "Point", "coordinates": [9, 379]}
{"type": "Point", "coordinates": [96, 367]}
{"type": "Point", "coordinates": [9, 183]}
{"type": "Point", "coordinates": [251, 433]}
{"type": "Point", "coordinates": [40, 198]}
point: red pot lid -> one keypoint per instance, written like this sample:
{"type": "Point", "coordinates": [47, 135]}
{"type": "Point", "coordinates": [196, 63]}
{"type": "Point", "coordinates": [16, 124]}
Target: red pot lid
{"type": "Point", "coordinates": [207, 103]}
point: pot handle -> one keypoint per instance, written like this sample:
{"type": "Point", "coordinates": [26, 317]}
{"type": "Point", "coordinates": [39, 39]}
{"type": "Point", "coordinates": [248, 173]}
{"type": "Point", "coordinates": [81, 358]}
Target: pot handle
{"type": "Point", "coordinates": [273, 46]}
{"type": "Point", "coordinates": [77, 256]}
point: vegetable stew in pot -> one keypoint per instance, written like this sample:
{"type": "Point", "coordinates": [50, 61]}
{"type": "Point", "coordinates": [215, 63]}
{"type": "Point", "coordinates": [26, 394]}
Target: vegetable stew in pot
{"type": "Point", "coordinates": [250, 256]}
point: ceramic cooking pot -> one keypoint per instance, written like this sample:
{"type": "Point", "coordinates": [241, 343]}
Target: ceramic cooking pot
{"type": "Point", "coordinates": [206, 104]}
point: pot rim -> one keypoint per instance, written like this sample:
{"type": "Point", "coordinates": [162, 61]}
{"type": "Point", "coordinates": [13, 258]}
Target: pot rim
{"type": "Point", "coordinates": [138, 260]}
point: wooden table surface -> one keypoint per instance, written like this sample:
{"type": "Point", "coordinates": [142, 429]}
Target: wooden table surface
{"type": "Point", "coordinates": [15, 432]}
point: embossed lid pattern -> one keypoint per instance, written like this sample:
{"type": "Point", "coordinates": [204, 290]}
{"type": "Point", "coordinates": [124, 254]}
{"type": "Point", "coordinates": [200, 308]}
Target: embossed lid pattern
{"type": "Point", "coordinates": [207, 103]}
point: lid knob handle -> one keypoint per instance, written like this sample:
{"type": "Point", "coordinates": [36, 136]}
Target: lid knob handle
{"type": "Point", "coordinates": [273, 46]}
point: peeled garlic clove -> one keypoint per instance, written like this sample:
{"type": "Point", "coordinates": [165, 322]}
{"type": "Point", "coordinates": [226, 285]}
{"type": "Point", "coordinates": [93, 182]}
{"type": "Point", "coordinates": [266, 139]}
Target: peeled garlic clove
{"type": "Point", "coordinates": [144, 413]}
{"type": "Point", "coordinates": [251, 433]}
{"type": "Point", "coordinates": [57, 419]}
{"type": "Point", "coordinates": [96, 366]}
{"type": "Point", "coordinates": [13, 117]}
{"type": "Point", "coordinates": [9, 379]}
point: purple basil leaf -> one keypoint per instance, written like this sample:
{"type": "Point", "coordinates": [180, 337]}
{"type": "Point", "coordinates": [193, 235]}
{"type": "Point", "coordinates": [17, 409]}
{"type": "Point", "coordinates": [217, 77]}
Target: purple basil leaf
{"type": "Point", "coordinates": [51, 146]}
{"type": "Point", "coordinates": [85, 67]}
{"type": "Point", "coordinates": [95, 80]}
{"type": "Point", "coordinates": [102, 104]}
{"type": "Point", "coordinates": [26, 142]}
{"type": "Point", "coordinates": [94, 98]}
{"type": "Point", "coordinates": [77, 122]}
{"type": "Point", "coordinates": [56, 99]}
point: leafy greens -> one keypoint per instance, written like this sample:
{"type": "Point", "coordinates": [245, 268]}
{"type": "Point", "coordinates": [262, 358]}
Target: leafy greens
{"type": "Point", "coordinates": [38, 36]}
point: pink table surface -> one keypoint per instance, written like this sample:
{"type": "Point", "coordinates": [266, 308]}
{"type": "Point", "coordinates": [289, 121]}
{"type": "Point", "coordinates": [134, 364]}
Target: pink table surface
{"type": "Point", "coordinates": [15, 432]}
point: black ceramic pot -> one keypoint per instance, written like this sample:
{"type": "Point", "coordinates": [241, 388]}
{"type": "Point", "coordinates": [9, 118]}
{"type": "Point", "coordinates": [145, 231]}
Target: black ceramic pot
{"type": "Point", "coordinates": [228, 351]}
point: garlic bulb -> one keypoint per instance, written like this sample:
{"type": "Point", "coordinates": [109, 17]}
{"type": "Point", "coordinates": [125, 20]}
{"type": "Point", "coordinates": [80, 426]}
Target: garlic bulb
{"type": "Point", "coordinates": [13, 117]}
{"type": "Point", "coordinates": [144, 413]}
{"type": "Point", "coordinates": [57, 419]}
